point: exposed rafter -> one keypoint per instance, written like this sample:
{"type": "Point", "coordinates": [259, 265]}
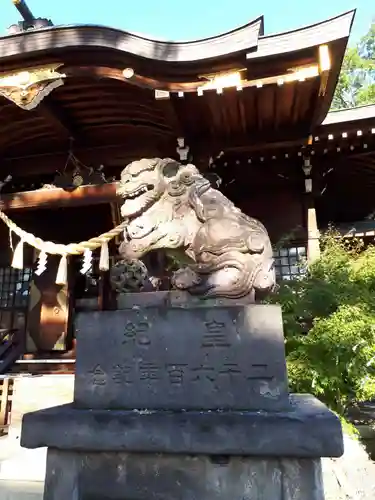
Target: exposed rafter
{"type": "Point", "coordinates": [59, 119]}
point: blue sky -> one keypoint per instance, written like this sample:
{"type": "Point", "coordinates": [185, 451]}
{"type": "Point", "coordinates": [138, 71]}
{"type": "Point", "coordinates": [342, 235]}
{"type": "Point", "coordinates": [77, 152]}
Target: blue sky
{"type": "Point", "coordinates": [177, 20]}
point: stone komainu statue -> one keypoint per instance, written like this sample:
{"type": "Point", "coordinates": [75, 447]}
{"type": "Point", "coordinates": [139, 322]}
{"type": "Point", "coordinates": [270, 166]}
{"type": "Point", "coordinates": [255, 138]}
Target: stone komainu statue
{"type": "Point", "coordinates": [172, 206]}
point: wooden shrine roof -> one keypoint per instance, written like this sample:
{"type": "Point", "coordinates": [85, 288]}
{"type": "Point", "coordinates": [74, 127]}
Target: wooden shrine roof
{"type": "Point", "coordinates": [346, 120]}
{"type": "Point", "coordinates": [84, 36]}
{"type": "Point", "coordinates": [350, 115]}
{"type": "Point", "coordinates": [121, 96]}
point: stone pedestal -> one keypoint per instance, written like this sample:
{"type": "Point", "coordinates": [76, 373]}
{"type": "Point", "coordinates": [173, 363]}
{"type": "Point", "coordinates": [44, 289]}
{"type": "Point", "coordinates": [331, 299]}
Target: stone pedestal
{"type": "Point", "coordinates": [178, 399]}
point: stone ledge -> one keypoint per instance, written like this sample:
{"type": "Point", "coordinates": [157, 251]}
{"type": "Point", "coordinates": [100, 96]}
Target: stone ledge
{"type": "Point", "coordinates": [174, 298]}
{"type": "Point", "coordinates": [308, 430]}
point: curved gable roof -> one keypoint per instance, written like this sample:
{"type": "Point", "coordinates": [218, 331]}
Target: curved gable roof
{"type": "Point", "coordinates": [240, 39]}
{"type": "Point", "coordinates": [248, 38]}
{"type": "Point", "coordinates": [95, 103]}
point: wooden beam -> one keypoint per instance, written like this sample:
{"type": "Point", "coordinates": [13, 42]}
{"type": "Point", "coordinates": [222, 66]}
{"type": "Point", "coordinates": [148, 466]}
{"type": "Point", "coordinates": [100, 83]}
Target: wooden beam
{"type": "Point", "coordinates": [57, 198]}
{"type": "Point", "coordinates": [115, 155]}
{"type": "Point", "coordinates": [58, 118]}
{"type": "Point", "coordinates": [118, 155]}
{"type": "Point", "coordinates": [131, 149]}
{"type": "Point", "coordinates": [44, 110]}
{"type": "Point", "coordinates": [364, 153]}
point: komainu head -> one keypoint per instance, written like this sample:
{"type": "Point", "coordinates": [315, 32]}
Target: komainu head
{"type": "Point", "coordinates": [145, 181]}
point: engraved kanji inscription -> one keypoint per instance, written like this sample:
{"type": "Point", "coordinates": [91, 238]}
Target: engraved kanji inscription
{"type": "Point", "coordinates": [149, 371]}
{"type": "Point", "coordinates": [123, 374]}
{"type": "Point", "coordinates": [176, 373]}
{"type": "Point", "coordinates": [230, 371]}
{"type": "Point", "coordinates": [203, 372]}
{"type": "Point", "coordinates": [215, 335]}
{"type": "Point", "coordinates": [99, 377]}
{"type": "Point", "coordinates": [136, 333]}
{"type": "Point", "coordinates": [259, 372]}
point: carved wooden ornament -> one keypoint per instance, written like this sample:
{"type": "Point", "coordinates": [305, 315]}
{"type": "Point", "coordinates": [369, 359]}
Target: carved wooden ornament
{"type": "Point", "coordinates": [29, 87]}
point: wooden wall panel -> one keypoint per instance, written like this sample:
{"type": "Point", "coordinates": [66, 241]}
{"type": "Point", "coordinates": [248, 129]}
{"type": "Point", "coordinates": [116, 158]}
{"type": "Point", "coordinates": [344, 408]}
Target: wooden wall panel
{"type": "Point", "coordinates": [281, 213]}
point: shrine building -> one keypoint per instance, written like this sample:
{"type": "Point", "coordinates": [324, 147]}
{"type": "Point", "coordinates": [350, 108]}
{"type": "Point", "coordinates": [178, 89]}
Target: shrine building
{"type": "Point", "coordinates": [78, 103]}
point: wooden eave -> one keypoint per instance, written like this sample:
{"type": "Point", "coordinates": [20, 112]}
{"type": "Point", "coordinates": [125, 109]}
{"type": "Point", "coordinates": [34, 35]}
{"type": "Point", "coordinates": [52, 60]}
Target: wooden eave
{"type": "Point", "coordinates": [241, 39]}
{"type": "Point", "coordinates": [334, 32]}
{"type": "Point", "coordinates": [358, 229]}
{"type": "Point", "coordinates": [102, 110]}
{"type": "Point", "coordinates": [346, 135]}
{"type": "Point", "coordinates": [327, 31]}
{"type": "Point", "coordinates": [165, 62]}
{"type": "Point", "coordinates": [347, 120]}
{"type": "Point", "coordinates": [350, 115]}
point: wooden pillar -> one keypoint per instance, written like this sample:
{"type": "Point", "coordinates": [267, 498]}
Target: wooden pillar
{"type": "Point", "coordinates": [4, 391]}
{"type": "Point", "coordinates": [313, 235]}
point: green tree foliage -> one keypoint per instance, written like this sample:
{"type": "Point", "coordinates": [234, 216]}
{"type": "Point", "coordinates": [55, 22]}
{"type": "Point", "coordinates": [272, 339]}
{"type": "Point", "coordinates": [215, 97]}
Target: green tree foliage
{"type": "Point", "coordinates": [356, 85]}
{"type": "Point", "coordinates": [329, 324]}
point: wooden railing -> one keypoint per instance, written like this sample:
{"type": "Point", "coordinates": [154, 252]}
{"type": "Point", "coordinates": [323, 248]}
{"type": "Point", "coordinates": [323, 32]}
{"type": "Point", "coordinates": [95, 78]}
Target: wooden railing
{"type": "Point", "coordinates": [11, 347]}
{"type": "Point", "coordinates": [6, 393]}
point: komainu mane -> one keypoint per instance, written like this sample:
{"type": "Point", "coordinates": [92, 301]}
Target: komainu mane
{"type": "Point", "coordinates": [172, 206]}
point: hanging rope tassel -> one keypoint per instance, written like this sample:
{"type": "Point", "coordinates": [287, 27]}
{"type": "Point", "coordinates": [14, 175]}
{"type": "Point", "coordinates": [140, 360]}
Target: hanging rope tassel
{"type": "Point", "coordinates": [41, 264]}
{"type": "Point", "coordinates": [62, 272]}
{"type": "Point", "coordinates": [104, 257]}
{"type": "Point", "coordinates": [17, 262]}
{"type": "Point", "coordinates": [11, 239]}
{"type": "Point", "coordinates": [86, 262]}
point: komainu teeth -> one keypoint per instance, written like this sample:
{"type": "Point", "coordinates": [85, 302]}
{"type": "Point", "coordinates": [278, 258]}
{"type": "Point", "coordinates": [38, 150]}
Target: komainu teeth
{"type": "Point", "coordinates": [138, 192]}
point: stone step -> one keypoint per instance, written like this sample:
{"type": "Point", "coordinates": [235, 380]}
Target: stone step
{"type": "Point", "coordinates": [20, 464]}
{"type": "Point", "coordinates": [21, 490]}
{"type": "Point", "coordinates": [31, 393]}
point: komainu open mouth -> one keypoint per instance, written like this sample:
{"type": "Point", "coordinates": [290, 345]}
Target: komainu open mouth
{"type": "Point", "coordinates": [137, 192]}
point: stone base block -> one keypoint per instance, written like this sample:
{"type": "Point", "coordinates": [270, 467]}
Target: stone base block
{"type": "Point", "coordinates": [307, 430]}
{"type": "Point", "coordinates": [119, 476]}
{"type": "Point", "coordinates": [185, 455]}
{"type": "Point", "coordinates": [227, 357]}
